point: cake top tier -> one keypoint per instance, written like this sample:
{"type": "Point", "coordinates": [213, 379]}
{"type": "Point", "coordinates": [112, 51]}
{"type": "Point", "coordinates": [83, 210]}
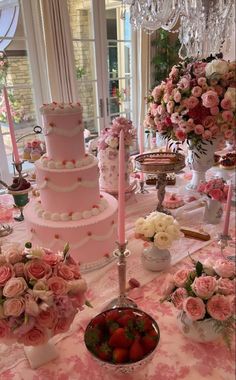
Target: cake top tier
{"type": "Point", "coordinates": [60, 108]}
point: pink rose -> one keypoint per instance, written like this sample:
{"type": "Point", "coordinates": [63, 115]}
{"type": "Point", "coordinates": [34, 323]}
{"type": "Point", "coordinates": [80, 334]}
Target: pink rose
{"type": "Point", "coordinates": [181, 277]}
{"type": "Point", "coordinates": [224, 268]}
{"type": "Point", "coordinates": [219, 307]}
{"type": "Point", "coordinates": [51, 258]}
{"type": "Point", "coordinates": [216, 194]}
{"type": "Point", "coordinates": [63, 324]}
{"type": "Point", "coordinates": [34, 337]}
{"type": "Point", "coordinates": [47, 318]}
{"type": "Point", "coordinates": [194, 308]}
{"type": "Point", "coordinates": [57, 285]}
{"type": "Point", "coordinates": [14, 256]}
{"type": "Point", "coordinates": [210, 99]}
{"type": "Point", "coordinates": [201, 81]}
{"type": "Point", "coordinates": [14, 307]}
{"type": "Point", "coordinates": [226, 286]}
{"type": "Point", "coordinates": [198, 129]}
{"type": "Point", "coordinates": [214, 110]}
{"type": "Point", "coordinates": [214, 130]}
{"type": "Point", "coordinates": [170, 106]}
{"type": "Point", "coordinates": [199, 69]}
{"type": "Point", "coordinates": [196, 91]}
{"type": "Point", "coordinates": [77, 286]}
{"type": "Point", "coordinates": [204, 286]}
{"type": "Point", "coordinates": [192, 102]}
{"type": "Point", "coordinates": [209, 122]}
{"type": "Point", "coordinates": [180, 134]}
{"type": "Point", "coordinates": [177, 96]}
{"type": "Point", "coordinates": [207, 135]}
{"type": "Point", "coordinates": [227, 115]}
{"type": "Point", "coordinates": [64, 271]}
{"type": "Point", "coordinates": [6, 273]}
{"type": "Point", "coordinates": [168, 286]}
{"type": "Point", "coordinates": [4, 329]}
{"type": "Point", "coordinates": [14, 287]}
{"type": "Point", "coordinates": [229, 134]}
{"type": "Point", "coordinates": [178, 297]}
{"type": "Point", "coordinates": [37, 269]}
{"type": "Point", "coordinates": [18, 269]}
{"type": "Point", "coordinates": [226, 104]}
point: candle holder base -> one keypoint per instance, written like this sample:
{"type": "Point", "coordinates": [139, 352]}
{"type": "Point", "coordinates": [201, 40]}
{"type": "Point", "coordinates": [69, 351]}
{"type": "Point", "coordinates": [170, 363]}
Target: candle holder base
{"type": "Point", "coordinates": [120, 302]}
{"type": "Point", "coordinates": [223, 242]}
{"type": "Point", "coordinates": [142, 189]}
{"type": "Point", "coordinates": [5, 230]}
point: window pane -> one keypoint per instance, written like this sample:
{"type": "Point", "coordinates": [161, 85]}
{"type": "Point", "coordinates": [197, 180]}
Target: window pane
{"type": "Point", "coordinates": [84, 60]}
{"type": "Point", "coordinates": [87, 96]}
{"type": "Point", "coordinates": [80, 12]}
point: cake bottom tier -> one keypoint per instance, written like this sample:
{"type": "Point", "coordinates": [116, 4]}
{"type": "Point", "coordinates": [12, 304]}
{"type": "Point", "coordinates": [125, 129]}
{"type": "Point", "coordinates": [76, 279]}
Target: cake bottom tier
{"type": "Point", "coordinates": [92, 240]}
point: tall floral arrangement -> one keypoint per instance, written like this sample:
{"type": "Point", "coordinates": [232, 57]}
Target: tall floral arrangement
{"type": "Point", "coordinates": [110, 136]}
{"type": "Point", "coordinates": [204, 291]}
{"type": "Point", "coordinates": [196, 103]}
{"type": "Point", "coordinates": [40, 294]}
{"type": "Point", "coordinates": [4, 64]}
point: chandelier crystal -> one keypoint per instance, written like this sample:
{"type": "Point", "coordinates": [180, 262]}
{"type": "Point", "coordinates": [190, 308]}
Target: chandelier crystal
{"type": "Point", "coordinates": [203, 25]}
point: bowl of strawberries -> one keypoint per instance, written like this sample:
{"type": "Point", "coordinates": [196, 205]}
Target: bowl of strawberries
{"type": "Point", "coordinates": [122, 339]}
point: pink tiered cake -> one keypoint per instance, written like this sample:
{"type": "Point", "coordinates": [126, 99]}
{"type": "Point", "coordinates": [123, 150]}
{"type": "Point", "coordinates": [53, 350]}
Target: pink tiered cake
{"type": "Point", "coordinates": [71, 207]}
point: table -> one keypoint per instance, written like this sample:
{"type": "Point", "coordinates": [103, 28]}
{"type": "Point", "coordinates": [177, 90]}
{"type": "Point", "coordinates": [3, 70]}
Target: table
{"type": "Point", "coordinates": [177, 358]}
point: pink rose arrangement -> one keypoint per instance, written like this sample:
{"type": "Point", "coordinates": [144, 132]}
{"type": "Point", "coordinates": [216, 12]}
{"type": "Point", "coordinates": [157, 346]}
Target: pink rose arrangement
{"type": "Point", "coordinates": [196, 103]}
{"type": "Point", "coordinates": [215, 189]}
{"type": "Point", "coordinates": [40, 294]}
{"type": "Point", "coordinates": [110, 136]}
{"type": "Point", "coordinates": [206, 290]}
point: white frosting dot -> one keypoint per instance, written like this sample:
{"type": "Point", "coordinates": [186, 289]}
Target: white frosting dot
{"type": "Point", "coordinates": [51, 164]}
{"type": "Point", "coordinates": [45, 163]}
{"type": "Point", "coordinates": [64, 216]}
{"type": "Point", "coordinates": [76, 216]}
{"type": "Point", "coordinates": [55, 216]}
{"type": "Point", "coordinates": [86, 214]}
{"type": "Point", "coordinates": [95, 211]}
{"type": "Point", "coordinates": [101, 207]}
{"type": "Point", "coordinates": [58, 165]}
{"type": "Point", "coordinates": [69, 165]}
{"type": "Point", "coordinates": [40, 212]}
{"type": "Point", "coordinates": [46, 215]}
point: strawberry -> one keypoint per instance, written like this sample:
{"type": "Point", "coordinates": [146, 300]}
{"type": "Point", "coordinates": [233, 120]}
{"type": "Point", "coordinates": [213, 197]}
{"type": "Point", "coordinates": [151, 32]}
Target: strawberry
{"type": "Point", "coordinates": [121, 338]}
{"type": "Point", "coordinates": [112, 315]}
{"type": "Point", "coordinates": [149, 341]}
{"type": "Point", "coordinates": [112, 326]}
{"type": "Point", "coordinates": [126, 320]}
{"type": "Point", "coordinates": [92, 337]}
{"type": "Point", "coordinates": [120, 355]}
{"type": "Point", "coordinates": [99, 321]}
{"type": "Point", "coordinates": [104, 352]}
{"type": "Point", "coordinates": [136, 351]}
{"type": "Point", "coordinates": [144, 324]}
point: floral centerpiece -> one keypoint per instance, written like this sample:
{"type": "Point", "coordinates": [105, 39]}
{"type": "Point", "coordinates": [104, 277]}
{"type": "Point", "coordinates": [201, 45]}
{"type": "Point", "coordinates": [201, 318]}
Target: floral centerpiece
{"type": "Point", "coordinates": [108, 148]}
{"type": "Point", "coordinates": [204, 292]}
{"type": "Point", "coordinates": [160, 230]}
{"type": "Point", "coordinates": [216, 189]}
{"type": "Point", "coordinates": [40, 294]}
{"type": "Point", "coordinates": [196, 103]}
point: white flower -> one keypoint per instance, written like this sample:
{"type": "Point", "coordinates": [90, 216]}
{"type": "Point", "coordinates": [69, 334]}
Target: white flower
{"type": "Point", "coordinates": [231, 95]}
{"type": "Point", "coordinates": [37, 252]}
{"type": "Point", "coordinates": [148, 230]}
{"type": "Point", "coordinates": [173, 231]}
{"type": "Point", "coordinates": [139, 225]}
{"type": "Point", "coordinates": [113, 142]}
{"type": "Point", "coordinates": [168, 219]}
{"type": "Point", "coordinates": [160, 225]}
{"type": "Point", "coordinates": [162, 240]}
{"type": "Point", "coordinates": [217, 66]}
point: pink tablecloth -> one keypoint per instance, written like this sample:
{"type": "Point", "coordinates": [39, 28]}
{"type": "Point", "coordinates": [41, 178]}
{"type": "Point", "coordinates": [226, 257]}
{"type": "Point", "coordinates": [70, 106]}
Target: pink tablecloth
{"type": "Point", "coordinates": [177, 358]}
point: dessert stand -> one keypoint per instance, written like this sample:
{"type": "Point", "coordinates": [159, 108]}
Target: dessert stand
{"type": "Point", "coordinates": [161, 164]}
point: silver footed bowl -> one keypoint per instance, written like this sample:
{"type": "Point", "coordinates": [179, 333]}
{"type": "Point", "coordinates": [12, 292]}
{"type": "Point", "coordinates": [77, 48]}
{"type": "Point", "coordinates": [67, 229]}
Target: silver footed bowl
{"type": "Point", "coordinates": [160, 162]}
{"type": "Point", "coordinates": [99, 336]}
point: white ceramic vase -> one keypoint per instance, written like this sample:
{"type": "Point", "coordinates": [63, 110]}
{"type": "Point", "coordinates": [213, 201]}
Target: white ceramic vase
{"type": "Point", "coordinates": [198, 331]}
{"type": "Point", "coordinates": [156, 259]}
{"type": "Point", "coordinates": [199, 163]}
{"type": "Point", "coordinates": [213, 211]}
{"type": "Point", "coordinates": [39, 355]}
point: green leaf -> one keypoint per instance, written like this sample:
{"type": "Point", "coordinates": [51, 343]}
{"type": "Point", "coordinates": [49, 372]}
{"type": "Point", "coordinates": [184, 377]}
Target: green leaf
{"type": "Point", "coordinates": [199, 269]}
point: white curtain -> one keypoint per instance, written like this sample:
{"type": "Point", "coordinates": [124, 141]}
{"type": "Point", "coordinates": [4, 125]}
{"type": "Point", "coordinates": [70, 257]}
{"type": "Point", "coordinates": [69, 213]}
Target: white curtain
{"type": "Point", "coordinates": [141, 74]}
{"type": "Point", "coordinates": [59, 50]}
{"type": "Point", "coordinates": [4, 170]}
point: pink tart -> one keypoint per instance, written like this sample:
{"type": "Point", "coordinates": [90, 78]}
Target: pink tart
{"type": "Point", "coordinates": [173, 201]}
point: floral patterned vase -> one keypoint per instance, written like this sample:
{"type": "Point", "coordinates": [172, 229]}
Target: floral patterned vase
{"type": "Point", "coordinates": [199, 331]}
{"type": "Point", "coordinates": [156, 259]}
{"type": "Point", "coordinates": [213, 211]}
{"type": "Point", "coordinates": [39, 355]}
{"type": "Point", "coordinates": [199, 163]}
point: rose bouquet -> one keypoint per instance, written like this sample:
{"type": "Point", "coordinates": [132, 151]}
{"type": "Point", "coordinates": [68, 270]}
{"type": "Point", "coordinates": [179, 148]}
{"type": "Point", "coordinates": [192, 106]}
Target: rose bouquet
{"type": "Point", "coordinates": [159, 228]}
{"type": "Point", "coordinates": [196, 103]}
{"type": "Point", "coordinates": [205, 291]}
{"type": "Point", "coordinates": [40, 294]}
{"type": "Point", "coordinates": [110, 136]}
{"type": "Point", "coordinates": [215, 189]}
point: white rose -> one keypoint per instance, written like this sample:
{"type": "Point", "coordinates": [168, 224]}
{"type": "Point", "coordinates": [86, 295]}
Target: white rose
{"type": "Point", "coordinates": [231, 95]}
{"type": "Point", "coordinates": [113, 142]}
{"type": "Point", "coordinates": [160, 225]}
{"type": "Point", "coordinates": [208, 266]}
{"type": "Point", "coordinates": [139, 225]}
{"type": "Point", "coordinates": [168, 219]}
{"type": "Point", "coordinates": [162, 240]}
{"type": "Point", "coordinates": [173, 231]}
{"type": "Point", "coordinates": [217, 66]}
{"type": "Point", "coordinates": [148, 230]}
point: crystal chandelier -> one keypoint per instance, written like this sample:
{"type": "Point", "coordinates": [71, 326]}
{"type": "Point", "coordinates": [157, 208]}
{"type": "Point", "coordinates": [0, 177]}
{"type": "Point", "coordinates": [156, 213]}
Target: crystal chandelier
{"type": "Point", "coordinates": [203, 25]}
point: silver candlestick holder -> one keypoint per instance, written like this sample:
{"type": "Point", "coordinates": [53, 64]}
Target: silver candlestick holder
{"type": "Point", "coordinates": [121, 253]}
{"type": "Point", "coordinates": [223, 242]}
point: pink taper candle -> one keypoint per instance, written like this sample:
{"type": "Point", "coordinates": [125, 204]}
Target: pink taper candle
{"type": "Point", "coordinates": [121, 193]}
{"type": "Point", "coordinates": [11, 126]}
{"type": "Point", "coordinates": [227, 211]}
{"type": "Point", "coordinates": [141, 146]}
